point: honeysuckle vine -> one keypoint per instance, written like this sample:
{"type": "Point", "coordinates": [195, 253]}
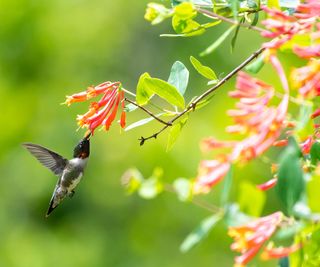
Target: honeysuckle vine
{"type": "Point", "coordinates": [263, 119]}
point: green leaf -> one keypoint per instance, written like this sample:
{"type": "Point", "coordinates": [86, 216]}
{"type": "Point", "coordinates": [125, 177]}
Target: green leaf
{"type": "Point", "coordinates": [218, 42]}
{"type": "Point", "coordinates": [205, 71]}
{"type": "Point", "coordinates": [290, 185]}
{"type": "Point", "coordinates": [179, 77]}
{"type": "Point", "coordinates": [273, 4]}
{"type": "Point", "coordinates": [143, 92]}
{"type": "Point", "coordinates": [202, 3]}
{"type": "Point", "coordinates": [284, 262]}
{"type": "Point", "coordinates": [132, 180]}
{"type": "Point", "coordinates": [234, 38]}
{"type": "Point", "coordinates": [313, 193]}
{"type": "Point", "coordinates": [202, 103]}
{"type": "Point", "coordinates": [156, 13]}
{"type": "Point", "coordinates": [183, 188]}
{"type": "Point", "coordinates": [234, 4]}
{"type": "Point", "coordinates": [309, 255]}
{"type": "Point", "coordinates": [138, 123]}
{"type": "Point", "coordinates": [192, 30]}
{"type": "Point", "coordinates": [254, 204]}
{"type": "Point", "coordinates": [255, 19]}
{"type": "Point", "coordinates": [226, 187]}
{"type": "Point", "coordinates": [305, 127]}
{"type": "Point", "coordinates": [234, 217]}
{"type": "Point", "coordinates": [175, 132]}
{"type": "Point", "coordinates": [185, 11]}
{"type": "Point", "coordinates": [152, 186]}
{"type": "Point", "coordinates": [130, 107]}
{"type": "Point", "coordinates": [255, 66]}
{"type": "Point", "coordinates": [315, 153]}
{"type": "Point", "coordinates": [187, 27]}
{"type": "Point", "coordinates": [200, 232]}
{"type": "Point", "coordinates": [165, 91]}
{"type": "Point", "coordinates": [289, 231]}
{"type": "Point", "coordinates": [289, 3]}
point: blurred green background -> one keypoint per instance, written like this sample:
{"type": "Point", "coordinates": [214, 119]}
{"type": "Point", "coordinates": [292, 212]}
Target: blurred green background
{"type": "Point", "coordinates": [49, 49]}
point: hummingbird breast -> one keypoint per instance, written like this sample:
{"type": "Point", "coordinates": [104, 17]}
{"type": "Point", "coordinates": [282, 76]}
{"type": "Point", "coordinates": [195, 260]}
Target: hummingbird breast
{"type": "Point", "coordinates": [72, 174]}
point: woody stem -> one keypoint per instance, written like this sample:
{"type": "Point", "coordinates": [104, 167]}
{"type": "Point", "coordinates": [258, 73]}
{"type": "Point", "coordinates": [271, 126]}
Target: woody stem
{"type": "Point", "coordinates": [148, 112]}
{"type": "Point", "coordinates": [194, 103]}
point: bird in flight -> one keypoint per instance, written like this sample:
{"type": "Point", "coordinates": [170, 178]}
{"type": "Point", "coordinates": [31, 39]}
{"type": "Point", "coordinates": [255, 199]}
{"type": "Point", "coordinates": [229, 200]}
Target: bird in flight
{"type": "Point", "coordinates": [69, 172]}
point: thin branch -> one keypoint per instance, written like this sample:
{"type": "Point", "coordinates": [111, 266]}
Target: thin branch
{"type": "Point", "coordinates": [194, 103]}
{"type": "Point", "coordinates": [148, 112]}
{"type": "Point", "coordinates": [228, 20]}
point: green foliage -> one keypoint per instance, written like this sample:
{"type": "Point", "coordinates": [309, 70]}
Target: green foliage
{"type": "Point", "coordinates": [156, 13]}
{"type": "Point", "coordinates": [273, 4]}
{"type": "Point", "coordinates": [143, 92]}
{"type": "Point", "coordinates": [200, 232]}
{"type": "Point", "coordinates": [146, 188]}
{"type": "Point", "coordinates": [235, 36]}
{"type": "Point", "coordinates": [183, 188]}
{"type": "Point", "coordinates": [205, 71]}
{"type": "Point", "coordinates": [182, 20]}
{"type": "Point", "coordinates": [309, 255]}
{"type": "Point", "coordinates": [179, 77]}
{"type": "Point", "coordinates": [235, 5]}
{"type": "Point", "coordinates": [130, 107]}
{"type": "Point", "coordinates": [140, 123]}
{"type": "Point", "coordinates": [165, 90]}
{"type": "Point", "coordinates": [175, 132]}
{"type": "Point", "coordinates": [254, 204]}
{"type": "Point", "coordinates": [315, 153]}
{"type": "Point", "coordinates": [217, 42]}
{"type": "Point", "coordinates": [234, 216]}
{"type": "Point", "coordinates": [304, 126]}
{"type": "Point", "coordinates": [313, 193]}
{"type": "Point", "coordinates": [284, 262]}
{"type": "Point", "coordinates": [227, 183]}
{"type": "Point", "coordinates": [255, 66]}
{"type": "Point", "coordinates": [290, 185]}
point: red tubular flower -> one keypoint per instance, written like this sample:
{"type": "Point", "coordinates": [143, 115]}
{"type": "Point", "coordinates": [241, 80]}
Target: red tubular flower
{"type": "Point", "coordinates": [260, 124]}
{"type": "Point", "coordinates": [282, 142]}
{"type": "Point", "coordinates": [307, 79]}
{"type": "Point", "coordinates": [210, 173]}
{"type": "Point", "coordinates": [103, 112]}
{"type": "Point", "coordinates": [267, 185]}
{"type": "Point", "coordinates": [249, 238]}
{"type": "Point", "coordinates": [271, 252]}
{"type": "Point", "coordinates": [306, 145]}
{"type": "Point", "coordinates": [310, 8]}
{"type": "Point", "coordinates": [282, 27]}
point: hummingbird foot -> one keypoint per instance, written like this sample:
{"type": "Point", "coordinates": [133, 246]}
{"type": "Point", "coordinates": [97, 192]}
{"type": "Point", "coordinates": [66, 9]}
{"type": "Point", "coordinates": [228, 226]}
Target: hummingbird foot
{"type": "Point", "coordinates": [71, 194]}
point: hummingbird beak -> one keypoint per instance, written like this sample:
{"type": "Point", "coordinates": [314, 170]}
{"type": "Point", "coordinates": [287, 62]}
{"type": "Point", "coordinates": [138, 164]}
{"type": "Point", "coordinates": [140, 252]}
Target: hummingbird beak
{"type": "Point", "coordinates": [87, 136]}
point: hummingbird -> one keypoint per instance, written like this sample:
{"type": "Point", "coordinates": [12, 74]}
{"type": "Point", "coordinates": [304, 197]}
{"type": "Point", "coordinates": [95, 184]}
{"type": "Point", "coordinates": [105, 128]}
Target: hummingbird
{"type": "Point", "coordinates": [69, 172]}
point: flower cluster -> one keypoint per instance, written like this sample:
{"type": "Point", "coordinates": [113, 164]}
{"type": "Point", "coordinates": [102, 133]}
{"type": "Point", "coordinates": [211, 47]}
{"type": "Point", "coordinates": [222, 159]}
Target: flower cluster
{"type": "Point", "coordinates": [260, 123]}
{"type": "Point", "coordinates": [250, 238]}
{"type": "Point", "coordinates": [307, 79]}
{"type": "Point", "coordinates": [103, 112]}
{"type": "Point", "coordinates": [282, 27]}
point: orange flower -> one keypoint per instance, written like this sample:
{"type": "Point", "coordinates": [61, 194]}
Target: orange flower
{"type": "Point", "coordinates": [307, 79]}
{"type": "Point", "coordinates": [268, 185]}
{"type": "Point", "coordinates": [249, 238]}
{"type": "Point", "coordinates": [260, 124]}
{"type": "Point", "coordinates": [103, 112]}
{"type": "Point", "coordinates": [210, 173]}
{"type": "Point", "coordinates": [270, 252]}
{"type": "Point", "coordinates": [282, 27]}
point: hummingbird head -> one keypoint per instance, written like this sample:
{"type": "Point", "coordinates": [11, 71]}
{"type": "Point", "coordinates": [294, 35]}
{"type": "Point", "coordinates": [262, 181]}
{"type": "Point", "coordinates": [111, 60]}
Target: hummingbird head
{"type": "Point", "coordinates": [82, 150]}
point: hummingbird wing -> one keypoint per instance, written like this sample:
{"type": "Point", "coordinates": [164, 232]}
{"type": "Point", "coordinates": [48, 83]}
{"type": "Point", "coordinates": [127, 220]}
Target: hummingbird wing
{"type": "Point", "coordinates": [47, 158]}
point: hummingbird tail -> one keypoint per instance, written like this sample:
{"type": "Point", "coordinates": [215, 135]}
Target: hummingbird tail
{"type": "Point", "coordinates": [51, 207]}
